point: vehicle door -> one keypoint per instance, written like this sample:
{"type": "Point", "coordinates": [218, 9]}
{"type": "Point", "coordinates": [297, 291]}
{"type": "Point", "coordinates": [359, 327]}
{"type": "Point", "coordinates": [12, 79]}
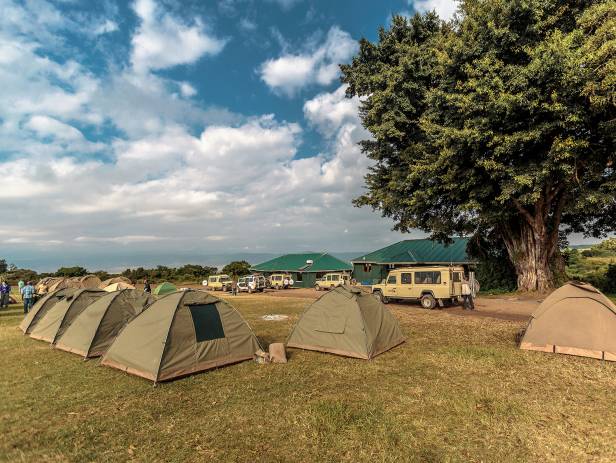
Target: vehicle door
{"type": "Point", "coordinates": [405, 288]}
{"type": "Point", "coordinates": [456, 283]}
{"type": "Point", "coordinates": [391, 286]}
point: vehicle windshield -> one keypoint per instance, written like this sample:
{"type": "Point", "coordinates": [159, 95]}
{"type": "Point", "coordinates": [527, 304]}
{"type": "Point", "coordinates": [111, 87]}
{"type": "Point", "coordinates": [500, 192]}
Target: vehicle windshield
{"type": "Point", "coordinates": [225, 279]}
{"type": "Point", "coordinates": [242, 280]}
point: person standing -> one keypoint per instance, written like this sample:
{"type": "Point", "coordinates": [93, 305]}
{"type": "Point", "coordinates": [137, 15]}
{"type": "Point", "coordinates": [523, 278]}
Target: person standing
{"type": "Point", "coordinates": [27, 294]}
{"type": "Point", "coordinates": [146, 286]}
{"type": "Point", "coordinates": [5, 293]}
{"type": "Point", "coordinates": [467, 295]}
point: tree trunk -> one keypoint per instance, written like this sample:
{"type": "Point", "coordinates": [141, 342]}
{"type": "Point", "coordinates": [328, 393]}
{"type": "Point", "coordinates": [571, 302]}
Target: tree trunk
{"type": "Point", "coordinates": [530, 255]}
{"type": "Point", "coordinates": [532, 245]}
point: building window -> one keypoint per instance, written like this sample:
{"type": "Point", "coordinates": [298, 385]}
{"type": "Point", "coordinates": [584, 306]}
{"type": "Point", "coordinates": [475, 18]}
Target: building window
{"type": "Point", "coordinates": [367, 268]}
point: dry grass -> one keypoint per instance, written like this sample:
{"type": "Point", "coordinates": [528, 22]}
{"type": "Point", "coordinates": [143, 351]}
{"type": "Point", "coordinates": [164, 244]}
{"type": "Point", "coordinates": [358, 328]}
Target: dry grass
{"type": "Point", "coordinates": [458, 390]}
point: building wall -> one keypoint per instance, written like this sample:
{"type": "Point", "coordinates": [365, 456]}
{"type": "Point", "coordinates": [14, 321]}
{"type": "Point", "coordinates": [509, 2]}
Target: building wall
{"type": "Point", "coordinates": [371, 275]}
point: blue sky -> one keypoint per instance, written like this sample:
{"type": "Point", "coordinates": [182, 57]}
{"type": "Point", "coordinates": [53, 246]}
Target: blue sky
{"type": "Point", "coordinates": [161, 128]}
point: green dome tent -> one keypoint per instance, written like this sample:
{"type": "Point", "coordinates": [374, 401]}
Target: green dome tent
{"type": "Point", "coordinates": [347, 321]}
{"type": "Point", "coordinates": [41, 307]}
{"type": "Point", "coordinates": [576, 319]}
{"type": "Point", "coordinates": [53, 324]}
{"type": "Point", "coordinates": [182, 333]}
{"type": "Point", "coordinates": [164, 288]}
{"type": "Point", "coordinates": [94, 329]}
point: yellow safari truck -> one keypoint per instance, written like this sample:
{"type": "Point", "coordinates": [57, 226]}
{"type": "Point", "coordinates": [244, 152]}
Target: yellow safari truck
{"type": "Point", "coordinates": [281, 280]}
{"type": "Point", "coordinates": [428, 285]}
{"type": "Point", "coordinates": [218, 283]}
{"type": "Point", "coordinates": [332, 280]}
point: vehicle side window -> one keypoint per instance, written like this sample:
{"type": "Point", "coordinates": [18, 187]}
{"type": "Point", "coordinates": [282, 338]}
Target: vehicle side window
{"type": "Point", "coordinates": [391, 280]}
{"type": "Point", "coordinates": [456, 277]}
{"type": "Point", "coordinates": [406, 278]}
{"type": "Point", "coordinates": [428, 278]}
{"type": "Point", "coordinates": [335, 277]}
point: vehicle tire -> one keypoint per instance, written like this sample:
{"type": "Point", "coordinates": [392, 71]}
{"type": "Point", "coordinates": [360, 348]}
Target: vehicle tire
{"type": "Point", "coordinates": [317, 288]}
{"type": "Point", "coordinates": [249, 290]}
{"type": "Point", "coordinates": [428, 301]}
{"type": "Point", "coordinates": [380, 297]}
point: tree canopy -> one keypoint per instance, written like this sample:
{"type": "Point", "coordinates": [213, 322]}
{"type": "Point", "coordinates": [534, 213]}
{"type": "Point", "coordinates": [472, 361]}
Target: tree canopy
{"type": "Point", "coordinates": [237, 268]}
{"type": "Point", "coordinates": [500, 122]}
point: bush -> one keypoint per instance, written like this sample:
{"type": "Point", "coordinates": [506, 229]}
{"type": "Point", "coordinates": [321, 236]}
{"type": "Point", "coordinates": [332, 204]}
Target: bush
{"type": "Point", "coordinates": [494, 270]}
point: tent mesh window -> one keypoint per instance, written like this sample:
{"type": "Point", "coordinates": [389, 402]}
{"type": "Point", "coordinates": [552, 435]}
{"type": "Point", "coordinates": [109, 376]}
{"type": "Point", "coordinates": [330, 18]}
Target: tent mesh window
{"type": "Point", "coordinates": [207, 322]}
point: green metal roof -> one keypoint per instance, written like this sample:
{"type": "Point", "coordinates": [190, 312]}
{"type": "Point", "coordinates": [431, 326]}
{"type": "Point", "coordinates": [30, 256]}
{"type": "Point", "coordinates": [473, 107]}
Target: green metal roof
{"type": "Point", "coordinates": [322, 262]}
{"type": "Point", "coordinates": [419, 252]}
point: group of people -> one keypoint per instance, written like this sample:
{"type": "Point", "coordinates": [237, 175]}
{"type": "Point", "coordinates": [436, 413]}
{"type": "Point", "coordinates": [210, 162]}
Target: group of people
{"type": "Point", "coordinates": [26, 290]}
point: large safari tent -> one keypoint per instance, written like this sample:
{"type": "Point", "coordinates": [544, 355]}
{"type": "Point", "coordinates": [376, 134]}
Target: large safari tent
{"type": "Point", "coordinates": [372, 268]}
{"type": "Point", "coordinates": [304, 268]}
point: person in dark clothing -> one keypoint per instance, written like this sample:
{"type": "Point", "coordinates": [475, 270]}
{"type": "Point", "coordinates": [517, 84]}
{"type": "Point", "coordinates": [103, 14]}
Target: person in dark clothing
{"type": "Point", "coordinates": [146, 286]}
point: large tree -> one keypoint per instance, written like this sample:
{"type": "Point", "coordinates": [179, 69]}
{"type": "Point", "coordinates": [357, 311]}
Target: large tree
{"type": "Point", "coordinates": [499, 122]}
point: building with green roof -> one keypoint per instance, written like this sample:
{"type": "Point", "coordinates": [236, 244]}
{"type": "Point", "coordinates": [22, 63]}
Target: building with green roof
{"type": "Point", "coordinates": [305, 268]}
{"type": "Point", "coordinates": [372, 268]}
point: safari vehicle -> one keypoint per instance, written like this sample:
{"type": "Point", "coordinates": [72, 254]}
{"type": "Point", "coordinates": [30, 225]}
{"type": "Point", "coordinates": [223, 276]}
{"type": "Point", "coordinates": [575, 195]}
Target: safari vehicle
{"type": "Point", "coordinates": [218, 283]}
{"type": "Point", "coordinates": [429, 285]}
{"type": "Point", "coordinates": [251, 283]}
{"type": "Point", "coordinates": [332, 280]}
{"type": "Point", "coordinates": [280, 280]}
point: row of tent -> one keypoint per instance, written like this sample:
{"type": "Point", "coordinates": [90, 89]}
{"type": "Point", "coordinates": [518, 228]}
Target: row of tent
{"type": "Point", "coordinates": [189, 331]}
{"type": "Point", "coordinates": [52, 284]}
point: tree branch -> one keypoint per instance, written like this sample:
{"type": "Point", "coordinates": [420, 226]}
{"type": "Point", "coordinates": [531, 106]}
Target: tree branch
{"type": "Point", "coordinates": [527, 215]}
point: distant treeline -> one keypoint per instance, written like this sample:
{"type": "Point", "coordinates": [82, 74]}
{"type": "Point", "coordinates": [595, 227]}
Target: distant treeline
{"type": "Point", "coordinates": [188, 272]}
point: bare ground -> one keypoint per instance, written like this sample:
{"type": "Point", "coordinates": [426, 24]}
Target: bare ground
{"type": "Point", "coordinates": [514, 308]}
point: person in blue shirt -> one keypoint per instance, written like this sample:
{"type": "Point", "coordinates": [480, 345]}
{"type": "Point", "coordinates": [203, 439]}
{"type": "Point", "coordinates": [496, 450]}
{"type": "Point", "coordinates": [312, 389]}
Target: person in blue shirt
{"type": "Point", "coordinates": [5, 291]}
{"type": "Point", "coordinates": [27, 294]}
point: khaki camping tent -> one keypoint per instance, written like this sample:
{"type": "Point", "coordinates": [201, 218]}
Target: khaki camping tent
{"type": "Point", "coordinates": [94, 329]}
{"type": "Point", "coordinates": [164, 288]}
{"type": "Point", "coordinates": [576, 319]}
{"type": "Point", "coordinates": [57, 319]}
{"type": "Point", "coordinates": [347, 321]}
{"type": "Point", "coordinates": [41, 307]}
{"type": "Point", "coordinates": [182, 333]}
{"type": "Point", "coordinates": [88, 281]}
{"type": "Point", "coordinates": [110, 281]}
{"type": "Point", "coordinates": [42, 287]}
{"type": "Point", "coordinates": [118, 287]}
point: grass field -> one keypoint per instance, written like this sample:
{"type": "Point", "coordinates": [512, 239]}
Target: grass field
{"type": "Point", "coordinates": [457, 390]}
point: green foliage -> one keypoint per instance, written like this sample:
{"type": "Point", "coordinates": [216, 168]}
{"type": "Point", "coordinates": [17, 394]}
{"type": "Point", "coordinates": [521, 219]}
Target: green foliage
{"type": "Point", "coordinates": [609, 285]}
{"type": "Point", "coordinates": [237, 268]}
{"type": "Point", "coordinates": [14, 274]}
{"type": "Point", "coordinates": [494, 270]}
{"type": "Point", "coordinates": [502, 121]}
{"type": "Point", "coordinates": [3, 266]}
{"type": "Point", "coordinates": [189, 272]}
{"type": "Point", "coordinates": [71, 272]}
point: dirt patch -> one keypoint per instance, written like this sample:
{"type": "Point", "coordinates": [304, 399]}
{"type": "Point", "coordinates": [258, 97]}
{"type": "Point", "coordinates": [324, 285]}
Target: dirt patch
{"type": "Point", "coordinates": [514, 308]}
{"type": "Point", "coordinates": [504, 308]}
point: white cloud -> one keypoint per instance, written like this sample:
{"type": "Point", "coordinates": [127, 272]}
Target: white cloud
{"type": "Point", "coordinates": [318, 65]}
{"type": "Point", "coordinates": [127, 239]}
{"type": "Point", "coordinates": [46, 126]}
{"type": "Point", "coordinates": [164, 41]}
{"type": "Point", "coordinates": [106, 27]}
{"type": "Point", "coordinates": [329, 111]}
{"type": "Point", "coordinates": [187, 90]}
{"type": "Point", "coordinates": [247, 25]}
{"type": "Point", "coordinates": [285, 4]}
{"type": "Point", "coordinates": [173, 171]}
{"type": "Point", "coordinates": [444, 8]}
